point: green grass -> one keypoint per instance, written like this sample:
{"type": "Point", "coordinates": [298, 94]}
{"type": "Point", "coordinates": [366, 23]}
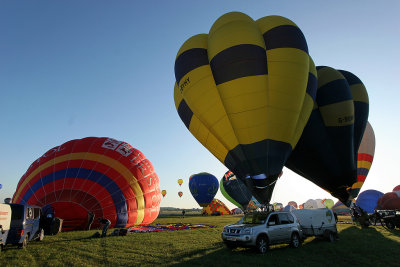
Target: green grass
{"type": "Point", "coordinates": [373, 246]}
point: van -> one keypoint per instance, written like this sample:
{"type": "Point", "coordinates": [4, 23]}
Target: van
{"type": "Point", "coordinates": [5, 220]}
{"type": "Point", "coordinates": [317, 222]}
{"type": "Point", "coordinates": [25, 225]}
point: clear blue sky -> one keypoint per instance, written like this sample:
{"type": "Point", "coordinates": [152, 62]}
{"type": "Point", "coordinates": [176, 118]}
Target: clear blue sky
{"type": "Point", "coordinates": [72, 69]}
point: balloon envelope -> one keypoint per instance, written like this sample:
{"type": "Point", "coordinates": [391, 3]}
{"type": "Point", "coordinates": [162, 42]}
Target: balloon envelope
{"type": "Point", "coordinates": [203, 187]}
{"type": "Point", "coordinates": [164, 192]}
{"type": "Point", "coordinates": [293, 203]}
{"type": "Point", "coordinates": [245, 91]}
{"type": "Point", "coordinates": [101, 175]}
{"type": "Point", "coordinates": [397, 188]}
{"type": "Point", "coordinates": [235, 190]}
{"type": "Point", "coordinates": [328, 203]}
{"type": "Point", "coordinates": [180, 194]}
{"type": "Point", "coordinates": [326, 153]}
{"type": "Point", "coordinates": [341, 209]}
{"type": "Point", "coordinates": [367, 200]}
{"type": "Point", "coordinates": [180, 182]}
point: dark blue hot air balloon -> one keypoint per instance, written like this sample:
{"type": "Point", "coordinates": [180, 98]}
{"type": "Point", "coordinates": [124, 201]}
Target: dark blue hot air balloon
{"type": "Point", "coordinates": [203, 187]}
{"type": "Point", "coordinates": [368, 199]}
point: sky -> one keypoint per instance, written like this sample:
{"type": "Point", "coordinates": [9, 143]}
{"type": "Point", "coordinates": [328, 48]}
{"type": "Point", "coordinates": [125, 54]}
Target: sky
{"type": "Point", "coordinates": [79, 68]}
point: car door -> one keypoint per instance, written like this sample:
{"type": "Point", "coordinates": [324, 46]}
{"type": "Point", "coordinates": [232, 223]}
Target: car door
{"type": "Point", "coordinates": [286, 223]}
{"type": "Point", "coordinates": [274, 229]}
{"type": "Point", "coordinates": [29, 222]}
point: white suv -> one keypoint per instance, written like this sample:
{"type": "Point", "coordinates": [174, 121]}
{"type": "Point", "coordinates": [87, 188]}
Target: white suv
{"type": "Point", "coordinates": [261, 229]}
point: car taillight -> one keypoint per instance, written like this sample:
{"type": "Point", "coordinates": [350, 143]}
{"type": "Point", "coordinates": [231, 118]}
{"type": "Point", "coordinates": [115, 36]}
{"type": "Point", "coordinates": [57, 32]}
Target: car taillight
{"type": "Point", "coordinates": [20, 232]}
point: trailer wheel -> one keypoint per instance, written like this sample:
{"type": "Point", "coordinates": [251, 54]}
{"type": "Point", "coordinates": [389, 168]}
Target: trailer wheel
{"type": "Point", "coordinates": [390, 225]}
{"type": "Point", "coordinates": [295, 240]}
{"type": "Point", "coordinates": [331, 237]}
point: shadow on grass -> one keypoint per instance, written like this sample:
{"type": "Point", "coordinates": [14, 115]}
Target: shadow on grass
{"type": "Point", "coordinates": [355, 245]}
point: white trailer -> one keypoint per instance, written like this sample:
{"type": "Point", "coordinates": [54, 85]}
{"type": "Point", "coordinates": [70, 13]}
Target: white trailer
{"type": "Point", "coordinates": [317, 222]}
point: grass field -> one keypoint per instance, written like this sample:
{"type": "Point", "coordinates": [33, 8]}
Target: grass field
{"type": "Point", "coordinates": [373, 246]}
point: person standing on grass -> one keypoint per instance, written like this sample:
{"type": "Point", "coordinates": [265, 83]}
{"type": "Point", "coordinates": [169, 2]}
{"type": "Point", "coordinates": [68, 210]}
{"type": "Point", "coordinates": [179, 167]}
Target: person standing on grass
{"type": "Point", "coordinates": [106, 223]}
{"type": "Point", "coordinates": [183, 213]}
{"type": "Point", "coordinates": [90, 220]}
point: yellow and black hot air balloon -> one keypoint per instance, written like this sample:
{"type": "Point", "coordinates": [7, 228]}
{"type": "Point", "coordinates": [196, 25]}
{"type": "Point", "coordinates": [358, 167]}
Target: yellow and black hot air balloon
{"type": "Point", "coordinates": [326, 153]}
{"type": "Point", "coordinates": [245, 90]}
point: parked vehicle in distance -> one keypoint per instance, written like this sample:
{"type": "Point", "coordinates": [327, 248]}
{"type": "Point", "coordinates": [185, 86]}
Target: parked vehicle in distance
{"type": "Point", "coordinates": [5, 220]}
{"type": "Point", "coordinates": [25, 225]}
{"type": "Point", "coordinates": [262, 229]}
{"type": "Point", "coordinates": [390, 218]}
{"type": "Point", "coordinates": [317, 222]}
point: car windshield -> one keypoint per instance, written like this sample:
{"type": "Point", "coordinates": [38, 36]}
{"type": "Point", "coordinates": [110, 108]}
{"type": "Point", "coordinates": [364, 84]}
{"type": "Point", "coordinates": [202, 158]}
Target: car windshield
{"type": "Point", "coordinates": [255, 218]}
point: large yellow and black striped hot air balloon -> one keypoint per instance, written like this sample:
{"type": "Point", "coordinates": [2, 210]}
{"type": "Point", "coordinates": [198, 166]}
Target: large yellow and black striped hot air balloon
{"type": "Point", "coordinates": [326, 153]}
{"type": "Point", "coordinates": [245, 91]}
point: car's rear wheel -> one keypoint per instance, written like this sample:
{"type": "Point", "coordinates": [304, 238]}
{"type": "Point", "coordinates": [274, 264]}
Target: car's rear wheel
{"type": "Point", "coordinates": [295, 240]}
{"type": "Point", "coordinates": [262, 244]}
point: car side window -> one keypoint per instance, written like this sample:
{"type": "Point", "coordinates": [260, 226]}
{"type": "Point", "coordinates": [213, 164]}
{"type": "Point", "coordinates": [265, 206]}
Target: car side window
{"type": "Point", "coordinates": [36, 212]}
{"type": "Point", "coordinates": [290, 218]}
{"type": "Point", "coordinates": [273, 219]}
{"type": "Point", "coordinates": [283, 218]}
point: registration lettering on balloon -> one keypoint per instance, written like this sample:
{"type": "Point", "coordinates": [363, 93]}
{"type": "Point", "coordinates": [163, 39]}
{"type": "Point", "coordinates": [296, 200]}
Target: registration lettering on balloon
{"type": "Point", "coordinates": [111, 143]}
{"type": "Point", "coordinates": [185, 82]}
{"type": "Point", "coordinates": [125, 149]}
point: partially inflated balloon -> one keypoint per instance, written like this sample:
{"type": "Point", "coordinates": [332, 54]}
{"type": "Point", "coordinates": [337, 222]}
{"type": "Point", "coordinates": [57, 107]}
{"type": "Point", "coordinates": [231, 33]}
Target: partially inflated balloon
{"type": "Point", "coordinates": [163, 193]}
{"type": "Point", "coordinates": [328, 203]}
{"type": "Point", "coordinates": [104, 176]}
{"type": "Point", "coordinates": [365, 157]}
{"type": "Point", "coordinates": [235, 190]}
{"type": "Point", "coordinates": [293, 203]}
{"type": "Point", "coordinates": [245, 91]}
{"type": "Point", "coordinates": [203, 187]}
{"type": "Point", "coordinates": [368, 200]}
{"type": "Point", "coordinates": [326, 153]}
{"type": "Point", "coordinates": [396, 188]}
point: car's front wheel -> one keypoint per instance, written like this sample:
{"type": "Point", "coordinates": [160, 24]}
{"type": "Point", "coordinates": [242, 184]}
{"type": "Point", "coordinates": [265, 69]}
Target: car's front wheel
{"type": "Point", "coordinates": [295, 240]}
{"type": "Point", "coordinates": [262, 244]}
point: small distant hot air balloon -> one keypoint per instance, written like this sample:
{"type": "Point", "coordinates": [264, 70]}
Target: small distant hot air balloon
{"type": "Point", "coordinates": [1, 186]}
{"type": "Point", "coordinates": [180, 182]}
{"type": "Point", "coordinates": [163, 193]}
{"type": "Point", "coordinates": [180, 193]}
{"type": "Point", "coordinates": [203, 187]}
{"type": "Point", "coordinates": [328, 203]}
{"type": "Point", "coordinates": [293, 203]}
